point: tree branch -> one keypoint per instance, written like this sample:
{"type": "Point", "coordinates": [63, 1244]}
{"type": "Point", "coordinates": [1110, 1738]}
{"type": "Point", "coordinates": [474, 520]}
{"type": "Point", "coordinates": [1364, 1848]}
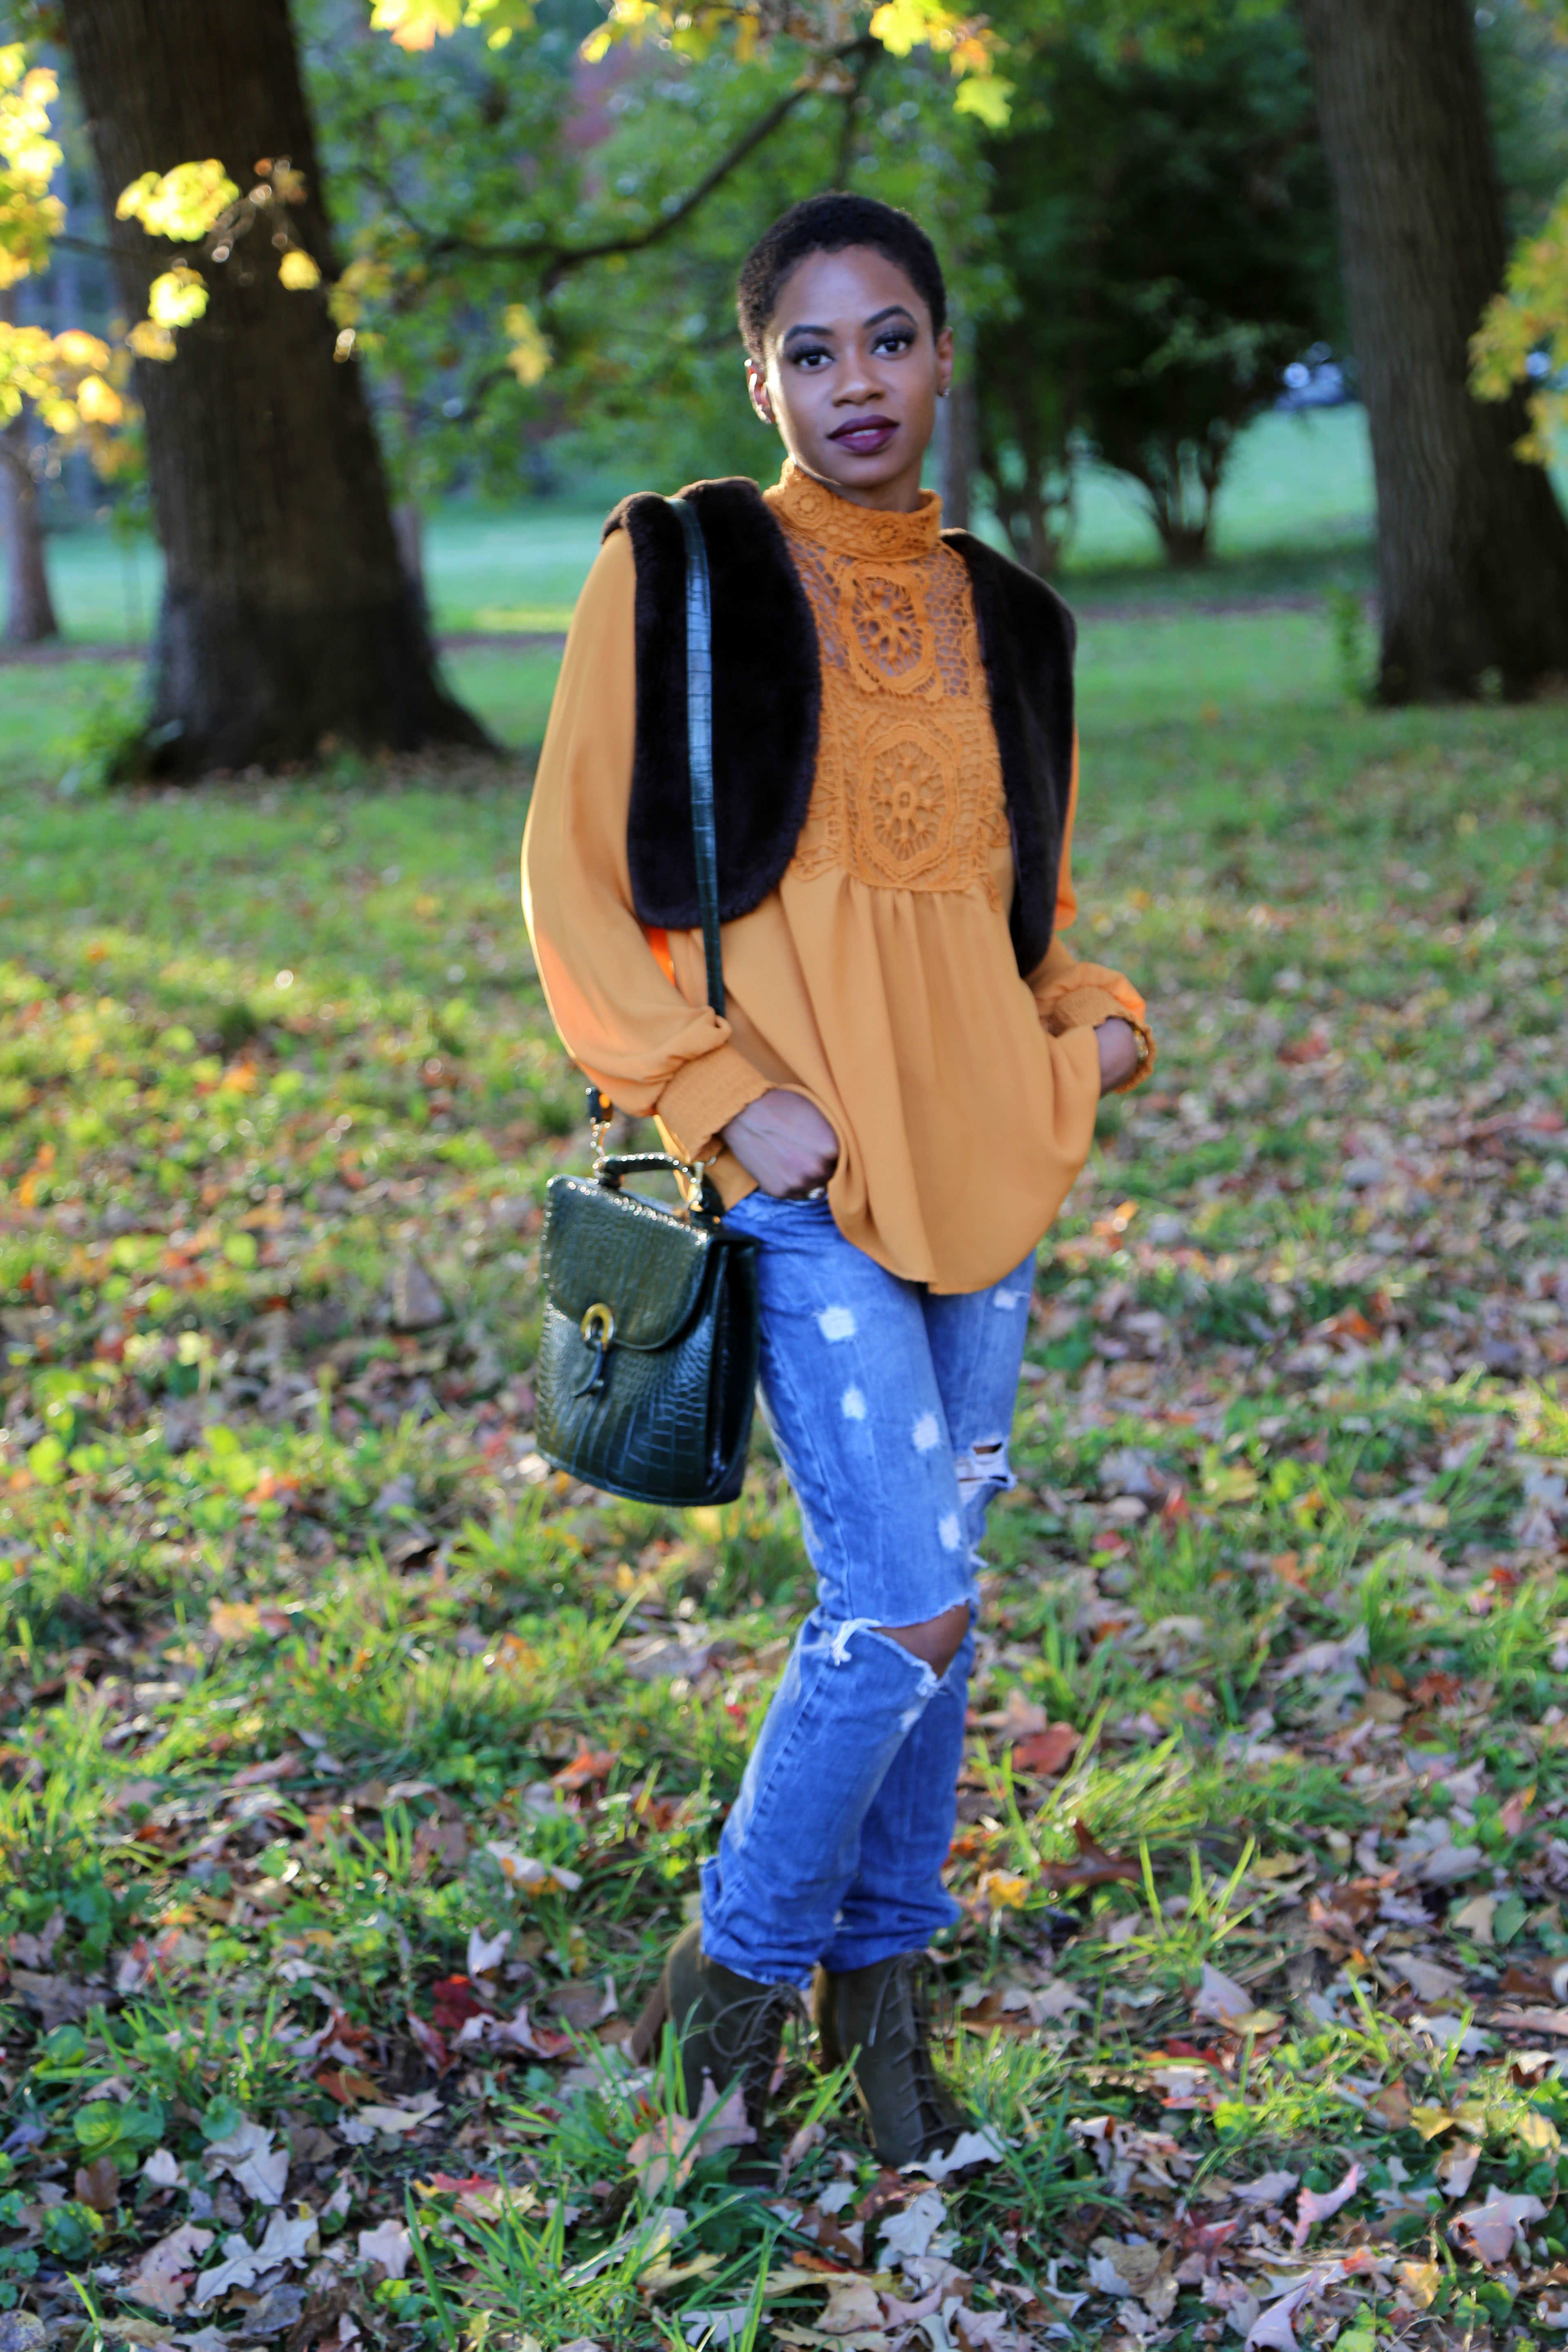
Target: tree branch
{"type": "Point", "coordinates": [559, 260]}
{"type": "Point", "coordinates": [854, 102]}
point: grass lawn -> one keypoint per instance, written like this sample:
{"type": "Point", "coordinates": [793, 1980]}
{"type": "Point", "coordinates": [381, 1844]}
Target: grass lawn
{"type": "Point", "coordinates": [354, 1771]}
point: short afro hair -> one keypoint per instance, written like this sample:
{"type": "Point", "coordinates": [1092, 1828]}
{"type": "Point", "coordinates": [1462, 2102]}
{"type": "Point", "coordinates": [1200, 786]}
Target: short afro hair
{"type": "Point", "coordinates": [831, 223]}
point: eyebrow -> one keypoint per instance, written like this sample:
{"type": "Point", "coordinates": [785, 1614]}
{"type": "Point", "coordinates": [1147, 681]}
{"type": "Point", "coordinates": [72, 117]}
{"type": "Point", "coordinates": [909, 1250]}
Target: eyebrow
{"type": "Point", "coordinates": [877, 318]}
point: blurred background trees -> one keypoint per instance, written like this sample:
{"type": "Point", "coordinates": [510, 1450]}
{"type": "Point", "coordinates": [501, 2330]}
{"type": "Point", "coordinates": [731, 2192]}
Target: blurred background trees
{"type": "Point", "coordinates": [1472, 545]}
{"type": "Point", "coordinates": [1164, 243]}
{"type": "Point", "coordinates": [59, 386]}
{"type": "Point", "coordinates": [502, 269]}
{"type": "Point", "coordinates": [286, 615]}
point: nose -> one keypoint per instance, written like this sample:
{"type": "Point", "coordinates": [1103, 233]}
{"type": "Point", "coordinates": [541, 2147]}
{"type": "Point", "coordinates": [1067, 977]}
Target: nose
{"type": "Point", "coordinates": [861, 382]}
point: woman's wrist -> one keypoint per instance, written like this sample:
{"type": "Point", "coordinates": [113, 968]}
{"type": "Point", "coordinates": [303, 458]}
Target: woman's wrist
{"type": "Point", "coordinates": [1122, 1053]}
{"type": "Point", "coordinates": [784, 1142]}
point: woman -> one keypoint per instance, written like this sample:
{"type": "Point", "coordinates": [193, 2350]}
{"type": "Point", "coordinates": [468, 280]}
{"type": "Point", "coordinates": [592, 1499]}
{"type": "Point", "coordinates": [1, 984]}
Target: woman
{"type": "Point", "coordinates": [900, 1095]}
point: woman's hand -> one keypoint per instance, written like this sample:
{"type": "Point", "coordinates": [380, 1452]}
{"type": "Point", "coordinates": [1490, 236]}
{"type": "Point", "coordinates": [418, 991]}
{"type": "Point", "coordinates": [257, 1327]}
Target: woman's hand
{"type": "Point", "coordinates": [1118, 1054]}
{"type": "Point", "coordinates": [784, 1142]}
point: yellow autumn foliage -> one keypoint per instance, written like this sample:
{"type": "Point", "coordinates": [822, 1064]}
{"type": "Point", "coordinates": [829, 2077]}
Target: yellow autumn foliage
{"type": "Point", "coordinates": [968, 42]}
{"type": "Point", "coordinates": [529, 353]}
{"type": "Point", "coordinates": [151, 341]}
{"type": "Point", "coordinates": [420, 24]}
{"type": "Point", "coordinates": [1524, 336]}
{"type": "Point", "coordinates": [366, 280]}
{"type": "Point", "coordinates": [181, 204]}
{"type": "Point", "coordinates": [1522, 340]}
{"type": "Point", "coordinates": [178, 297]}
{"type": "Point", "coordinates": [98, 402]}
{"type": "Point", "coordinates": [77, 349]}
{"type": "Point", "coordinates": [29, 214]}
{"type": "Point", "coordinates": [69, 379]}
{"type": "Point", "coordinates": [198, 203]}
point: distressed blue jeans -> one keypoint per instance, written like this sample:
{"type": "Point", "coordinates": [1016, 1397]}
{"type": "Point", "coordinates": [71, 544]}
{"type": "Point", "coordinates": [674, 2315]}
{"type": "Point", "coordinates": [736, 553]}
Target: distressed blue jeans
{"type": "Point", "coordinates": [891, 1409]}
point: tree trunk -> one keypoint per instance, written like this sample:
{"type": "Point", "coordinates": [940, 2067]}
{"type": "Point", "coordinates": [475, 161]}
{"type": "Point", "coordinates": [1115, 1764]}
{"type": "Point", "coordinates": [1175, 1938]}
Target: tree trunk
{"type": "Point", "coordinates": [29, 607]}
{"type": "Point", "coordinates": [408, 531]}
{"type": "Point", "coordinates": [287, 615]}
{"type": "Point", "coordinates": [1472, 545]}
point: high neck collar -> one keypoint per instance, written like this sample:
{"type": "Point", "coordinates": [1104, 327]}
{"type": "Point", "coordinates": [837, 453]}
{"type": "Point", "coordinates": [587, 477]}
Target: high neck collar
{"type": "Point", "coordinates": [818, 512]}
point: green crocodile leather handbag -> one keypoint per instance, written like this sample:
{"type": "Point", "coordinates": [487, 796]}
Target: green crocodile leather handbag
{"type": "Point", "coordinates": [647, 1362]}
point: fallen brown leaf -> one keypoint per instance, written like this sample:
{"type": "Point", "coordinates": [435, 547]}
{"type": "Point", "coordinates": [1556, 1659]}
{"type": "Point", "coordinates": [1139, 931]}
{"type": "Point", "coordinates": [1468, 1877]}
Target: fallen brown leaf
{"type": "Point", "coordinates": [97, 2184]}
{"type": "Point", "coordinates": [1488, 2230]}
{"type": "Point", "coordinates": [1045, 1752]}
{"type": "Point", "coordinates": [1093, 1867]}
{"type": "Point", "coordinates": [589, 1764]}
{"type": "Point", "coordinates": [161, 2279]}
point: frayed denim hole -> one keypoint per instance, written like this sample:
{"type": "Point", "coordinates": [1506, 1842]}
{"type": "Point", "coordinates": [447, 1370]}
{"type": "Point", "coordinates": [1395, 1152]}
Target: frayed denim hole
{"type": "Point", "coordinates": [928, 1681]}
{"type": "Point", "coordinates": [838, 1648]}
{"type": "Point", "coordinates": [984, 1469]}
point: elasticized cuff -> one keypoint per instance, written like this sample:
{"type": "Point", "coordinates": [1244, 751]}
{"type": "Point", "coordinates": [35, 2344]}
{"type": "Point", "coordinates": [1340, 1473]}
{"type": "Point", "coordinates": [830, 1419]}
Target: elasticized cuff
{"type": "Point", "coordinates": [703, 1096]}
{"type": "Point", "coordinates": [1082, 1008]}
{"type": "Point", "coordinates": [1086, 1008]}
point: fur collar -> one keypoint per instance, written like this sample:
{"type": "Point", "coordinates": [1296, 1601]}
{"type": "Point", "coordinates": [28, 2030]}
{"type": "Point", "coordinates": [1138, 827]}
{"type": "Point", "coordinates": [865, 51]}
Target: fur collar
{"type": "Point", "coordinates": [767, 706]}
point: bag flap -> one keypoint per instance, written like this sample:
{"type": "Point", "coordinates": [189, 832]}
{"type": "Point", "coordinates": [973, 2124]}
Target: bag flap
{"type": "Point", "coordinates": [644, 1262]}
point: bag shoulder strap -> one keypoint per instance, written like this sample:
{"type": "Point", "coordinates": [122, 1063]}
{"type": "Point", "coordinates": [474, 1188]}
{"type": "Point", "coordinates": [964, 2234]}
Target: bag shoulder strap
{"type": "Point", "coordinates": [700, 741]}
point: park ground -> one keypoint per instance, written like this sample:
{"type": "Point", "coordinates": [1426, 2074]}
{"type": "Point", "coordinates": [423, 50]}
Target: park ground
{"type": "Point", "coordinates": [354, 1771]}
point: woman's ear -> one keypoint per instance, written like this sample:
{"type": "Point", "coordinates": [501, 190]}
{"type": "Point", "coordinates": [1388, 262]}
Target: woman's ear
{"type": "Point", "coordinates": [944, 363]}
{"type": "Point", "coordinates": [757, 386]}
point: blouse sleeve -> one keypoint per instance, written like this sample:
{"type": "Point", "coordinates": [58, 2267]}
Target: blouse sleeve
{"type": "Point", "coordinates": [613, 1000]}
{"type": "Point", "coordinates": [1073, 995]}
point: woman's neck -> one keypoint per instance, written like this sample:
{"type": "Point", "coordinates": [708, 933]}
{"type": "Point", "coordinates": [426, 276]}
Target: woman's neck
{"type": "Point", "coordinates": [901, 496]}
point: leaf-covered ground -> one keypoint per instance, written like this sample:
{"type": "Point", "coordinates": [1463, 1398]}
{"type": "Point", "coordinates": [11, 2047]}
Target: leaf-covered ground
{"type": "Point", "coordinates": [354, 1771]}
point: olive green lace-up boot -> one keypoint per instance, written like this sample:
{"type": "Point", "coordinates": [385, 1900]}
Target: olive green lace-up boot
{"type": "Point", "coordinates": [728, 2027]}
{"type": "Point", "coordinates": [879, 2020]}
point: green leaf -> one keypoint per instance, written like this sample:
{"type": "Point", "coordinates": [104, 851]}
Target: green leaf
{"type": "Point", "coordinates": [98, 2126]}
{"type": "Point", "coordinates": [47, 1461]}
{"type": "Point", "coordinates": [71, 2230]}
{"type": "Point", "coordinates": [142, 2125]}
{"type": "Point", "coordinates": [222, 2120]}
{"type": "Point", "coordinates": [986, 97]}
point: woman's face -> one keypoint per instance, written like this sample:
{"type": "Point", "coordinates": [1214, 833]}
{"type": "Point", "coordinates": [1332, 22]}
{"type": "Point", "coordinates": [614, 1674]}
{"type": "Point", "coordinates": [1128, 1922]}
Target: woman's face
{"type": "Point", "coordinates": [852, 373]}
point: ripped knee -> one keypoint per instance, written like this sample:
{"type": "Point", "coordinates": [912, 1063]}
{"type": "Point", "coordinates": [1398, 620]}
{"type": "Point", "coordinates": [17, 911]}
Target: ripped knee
{"type": "Point", "coordinates": [983, 1470]}
{"type": "Point", "coordinates": [937, 1641]}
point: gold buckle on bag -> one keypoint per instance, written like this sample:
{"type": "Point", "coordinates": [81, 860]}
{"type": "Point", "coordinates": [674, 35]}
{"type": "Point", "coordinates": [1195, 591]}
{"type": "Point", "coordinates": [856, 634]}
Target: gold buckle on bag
{"type": "Point", "coordinates": [598, 1329]}
{"type": "Point", "coordinates": [689, 1175]}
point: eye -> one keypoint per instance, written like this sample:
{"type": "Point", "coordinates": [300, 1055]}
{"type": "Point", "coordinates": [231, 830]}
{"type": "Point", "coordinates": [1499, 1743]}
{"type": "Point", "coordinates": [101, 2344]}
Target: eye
{"type": "Point", "coordinates": [809, 354]}
{"type": "Point", "coordinates": [895, 340]}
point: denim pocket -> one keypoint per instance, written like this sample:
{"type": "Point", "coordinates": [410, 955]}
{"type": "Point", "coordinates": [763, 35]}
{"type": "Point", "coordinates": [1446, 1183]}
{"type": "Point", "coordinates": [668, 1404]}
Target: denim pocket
{"type": "Point", "coordinates": [759, 1209]}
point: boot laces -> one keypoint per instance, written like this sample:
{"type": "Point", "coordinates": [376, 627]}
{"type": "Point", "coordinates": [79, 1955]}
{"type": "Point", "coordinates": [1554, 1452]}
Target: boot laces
{"type": "Point", "coordinates": [746, 2033]}
{"type": "Point", "coordinates": [907, 1988]}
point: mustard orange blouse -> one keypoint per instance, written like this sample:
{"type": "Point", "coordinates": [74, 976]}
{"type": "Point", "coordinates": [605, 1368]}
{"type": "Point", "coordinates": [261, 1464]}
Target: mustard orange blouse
{"type": "Point", "coordinates": [878, 978]}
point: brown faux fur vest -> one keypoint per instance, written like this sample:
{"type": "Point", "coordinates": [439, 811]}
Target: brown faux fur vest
{"type": "Point", "coordinates": [767, 701]}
